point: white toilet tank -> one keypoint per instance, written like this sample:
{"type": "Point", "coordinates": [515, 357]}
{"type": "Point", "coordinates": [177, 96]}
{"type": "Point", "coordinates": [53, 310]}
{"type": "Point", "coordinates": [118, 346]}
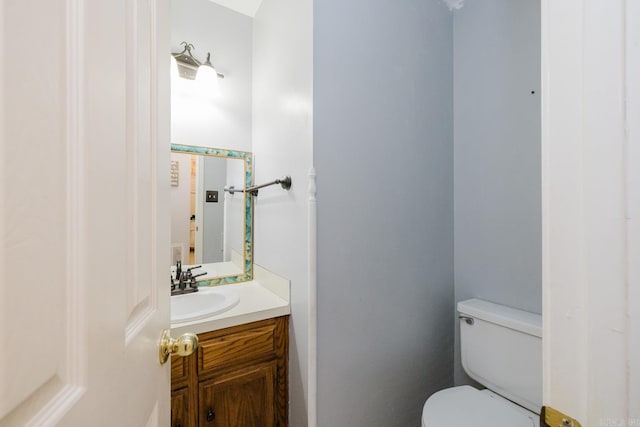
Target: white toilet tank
{"type": "Point", "coordinates": [501, 348]}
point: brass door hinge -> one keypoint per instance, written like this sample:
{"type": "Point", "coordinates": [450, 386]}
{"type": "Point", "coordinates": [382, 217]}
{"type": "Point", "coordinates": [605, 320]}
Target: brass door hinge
{"type": "Point", "coordinates": [550, 417]}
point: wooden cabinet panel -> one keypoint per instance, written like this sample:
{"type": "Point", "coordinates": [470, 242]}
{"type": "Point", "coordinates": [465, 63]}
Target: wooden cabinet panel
{"type": "Point", "coordinates": [237, 378]}
{"type": "Point", "coordinates": [282, 372]}
{"type": "Point", "coordinates": [179, 371]}
{"type": "Point", "coordinates": [180, 408]}
{"type": "Point", "coordinates": [241, 399]}
{"type": "Point", "coordinates": [234, 348]}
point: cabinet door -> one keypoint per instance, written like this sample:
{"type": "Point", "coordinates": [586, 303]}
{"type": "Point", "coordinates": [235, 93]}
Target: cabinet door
{"type": "Point", "coordinates": [180, 371]}
{"type": "Point", "coordinates": [243, 398]}
{"type": "Point", "coordinates": [180, 408]}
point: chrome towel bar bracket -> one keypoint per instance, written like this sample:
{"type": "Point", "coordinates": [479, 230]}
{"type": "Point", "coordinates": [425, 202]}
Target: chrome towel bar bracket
{"type": "Point", "coordinates": [285, 183]}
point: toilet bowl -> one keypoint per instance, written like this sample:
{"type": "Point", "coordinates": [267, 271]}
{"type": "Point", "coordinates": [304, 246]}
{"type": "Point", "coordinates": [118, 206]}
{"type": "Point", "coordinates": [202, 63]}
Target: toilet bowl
{"type": "Point", "coordinates": [465, 406]}
{"type": "Point", "coordinates": [501, 348]}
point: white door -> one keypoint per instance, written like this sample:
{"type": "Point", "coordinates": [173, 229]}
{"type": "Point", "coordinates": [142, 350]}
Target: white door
{"type": "Point", "coordinates": [83, 217]}
{"type": "Point", "coordinates": [591, 209]}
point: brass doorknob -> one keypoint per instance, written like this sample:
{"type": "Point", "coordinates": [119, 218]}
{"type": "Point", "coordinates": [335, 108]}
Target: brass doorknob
{"type": "Point", "coordinates": [185, 345]}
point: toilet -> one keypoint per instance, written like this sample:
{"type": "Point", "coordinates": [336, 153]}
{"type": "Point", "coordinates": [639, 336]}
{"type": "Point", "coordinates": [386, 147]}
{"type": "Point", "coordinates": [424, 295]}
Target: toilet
{"type": "Point", "coordinates": [501, 348]}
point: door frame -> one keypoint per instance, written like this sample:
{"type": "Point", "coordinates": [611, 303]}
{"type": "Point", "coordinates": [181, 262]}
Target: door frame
{"type": "Point", "coordinates": [199, 242]}
{"type": "Point", "coordinates": [590, 206]}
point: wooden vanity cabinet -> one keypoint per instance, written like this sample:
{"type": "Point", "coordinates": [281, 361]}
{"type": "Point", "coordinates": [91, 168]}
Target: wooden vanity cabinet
{"type": "Point", "coordinates": [183, 402]}
{"type": "Point", "coordinates": [180, 413]}
{"type": "Point", "coordinates": [237, 378]}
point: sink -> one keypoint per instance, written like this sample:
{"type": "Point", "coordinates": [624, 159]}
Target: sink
{"type": "Point", "coordinates": [206, 302]}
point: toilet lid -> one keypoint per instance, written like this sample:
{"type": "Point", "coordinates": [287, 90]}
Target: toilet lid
{"type": "Point", "coordinates": [466, 406]}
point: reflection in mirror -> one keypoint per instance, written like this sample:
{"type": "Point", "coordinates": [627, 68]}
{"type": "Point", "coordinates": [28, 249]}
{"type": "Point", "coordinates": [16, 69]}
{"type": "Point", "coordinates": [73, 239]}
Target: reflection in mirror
{"type": "Point", "coordinates": [211, 227]}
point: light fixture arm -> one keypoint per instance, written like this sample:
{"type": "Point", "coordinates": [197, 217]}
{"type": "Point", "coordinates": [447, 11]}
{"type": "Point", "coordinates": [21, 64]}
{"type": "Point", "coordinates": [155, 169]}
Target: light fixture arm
{"type": "Point", "coordinates": [187, 47]}
{"type": "Point", "coordinates": [208, 63]}
{"type": "Point", "coordinates": [186, 57]}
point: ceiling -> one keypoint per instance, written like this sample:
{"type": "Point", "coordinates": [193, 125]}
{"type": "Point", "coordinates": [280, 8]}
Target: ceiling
{"type": "Point", "coordinates": [246, 7]}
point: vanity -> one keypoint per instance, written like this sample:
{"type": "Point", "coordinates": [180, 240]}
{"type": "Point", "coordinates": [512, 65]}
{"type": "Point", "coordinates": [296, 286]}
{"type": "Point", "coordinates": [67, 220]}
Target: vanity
{"type": "Point", "coordinates": [238, 374]}
{"type": "Point", "coordinates": [237, 377]}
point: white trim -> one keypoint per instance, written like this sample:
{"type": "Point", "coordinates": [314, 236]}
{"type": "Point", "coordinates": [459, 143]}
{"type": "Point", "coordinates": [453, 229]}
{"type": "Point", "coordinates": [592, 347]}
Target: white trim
{"type": "Point", "coordinates": [199, 236]}
{"type": "Point", "coordinates": [226, 255]}
{"type": "Point", "coordinates": [76, 176]}
{"type": "Point", "coordinates": [585, 194]}
{"type": "Point", "coordinates": [154, 417]}
{"type": "Point", "coordinates": [53, 411]}
{"type": "Point", "coordinates": [142, 309]}
{"type": "Point", "coordinates": [633, 200]}
{"type": "Point", "coordinates": [136, 314]}
{"type": "Point", "coordinates": [312, 332]}
{"type": "Point", "coordinates": [155, 168]}
{"type": "Point", "coordinates": [74, 374]}
{"type": "Point", "coordinates": [556, 98]}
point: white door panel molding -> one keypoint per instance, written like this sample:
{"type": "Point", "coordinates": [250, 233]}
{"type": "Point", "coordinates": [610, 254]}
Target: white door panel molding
{"type": "Point", "coordinates": [590, 64]}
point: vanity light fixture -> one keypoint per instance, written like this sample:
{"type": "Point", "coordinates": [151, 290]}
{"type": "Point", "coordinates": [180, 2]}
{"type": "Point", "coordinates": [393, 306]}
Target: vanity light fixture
{"type": "Point", "coordinates": [188, 66]}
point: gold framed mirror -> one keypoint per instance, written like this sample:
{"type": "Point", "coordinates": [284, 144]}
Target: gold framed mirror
{"type": "Point", "coordinates": [211, 226]}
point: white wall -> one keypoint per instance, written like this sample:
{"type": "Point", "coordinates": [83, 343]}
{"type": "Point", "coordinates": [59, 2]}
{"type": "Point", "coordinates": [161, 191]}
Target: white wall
{"type": "Point", "coordinates": [497, 155]}
{"type": "Point", "coordinates": [383, 150]}
{"type": "Point", "coordinates": [264, 107]}
{"type": "Point", "coordinates": [282, 143]}
{"type": "Point", "coordinates": [224, 120]}
{"type": "Point", "coordinates": [180, 207]}
{"type": "Point", "coordinates": [234, 205]}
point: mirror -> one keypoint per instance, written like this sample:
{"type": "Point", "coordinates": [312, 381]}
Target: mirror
{"type": "Point", "coordinates": [210, 226]}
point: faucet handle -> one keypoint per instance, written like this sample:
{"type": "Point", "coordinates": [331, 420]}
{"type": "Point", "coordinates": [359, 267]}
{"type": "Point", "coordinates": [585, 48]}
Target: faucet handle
{"type": "Point", "coordinates": [193, 276]}
{"type": "Point", "coordinates": [178, 269]}
{"type": "Point", "coordinates": [192, 279]}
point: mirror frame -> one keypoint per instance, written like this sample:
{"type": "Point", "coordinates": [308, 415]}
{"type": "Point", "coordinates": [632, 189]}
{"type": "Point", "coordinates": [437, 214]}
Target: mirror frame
{"type": "Point", "coordinates": [247, 156]}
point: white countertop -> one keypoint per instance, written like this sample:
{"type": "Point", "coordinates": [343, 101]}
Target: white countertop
{"type": "Point", "coordinates": [260, 299]}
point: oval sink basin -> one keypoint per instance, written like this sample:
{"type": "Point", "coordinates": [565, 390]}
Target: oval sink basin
{"type": "Point", "coordinates": [206, 302]}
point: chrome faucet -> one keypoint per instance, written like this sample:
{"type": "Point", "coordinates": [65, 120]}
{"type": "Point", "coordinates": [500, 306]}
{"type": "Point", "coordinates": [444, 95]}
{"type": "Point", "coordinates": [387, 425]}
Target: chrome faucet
{"type": "Point", "coordinates": [178, 269]}
{"type": "Point", "coordinates": [185, 280]}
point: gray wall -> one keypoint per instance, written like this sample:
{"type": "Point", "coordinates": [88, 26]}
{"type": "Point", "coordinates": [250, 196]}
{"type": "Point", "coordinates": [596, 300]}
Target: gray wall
{"type": "Point", "coordinates": [215, 177]}
{"type": "Point", "coordinates": [384, 155]}
{"type": "Point", "coordinates": [497, 154]}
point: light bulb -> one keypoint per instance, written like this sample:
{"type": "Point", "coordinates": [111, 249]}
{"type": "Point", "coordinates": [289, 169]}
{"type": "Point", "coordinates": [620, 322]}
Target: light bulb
{"type": "Point", "coordinates": [208, 77]}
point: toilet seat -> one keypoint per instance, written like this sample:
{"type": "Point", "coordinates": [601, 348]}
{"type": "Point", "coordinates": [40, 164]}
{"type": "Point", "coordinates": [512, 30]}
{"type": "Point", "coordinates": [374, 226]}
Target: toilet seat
{"type": "Point", "coordinates": [465, 406]}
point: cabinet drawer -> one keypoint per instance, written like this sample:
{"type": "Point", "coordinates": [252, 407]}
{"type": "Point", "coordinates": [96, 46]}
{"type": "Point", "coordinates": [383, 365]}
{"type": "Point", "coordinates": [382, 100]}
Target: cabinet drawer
{"type": "Point", "coordinates": [214, 353]}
